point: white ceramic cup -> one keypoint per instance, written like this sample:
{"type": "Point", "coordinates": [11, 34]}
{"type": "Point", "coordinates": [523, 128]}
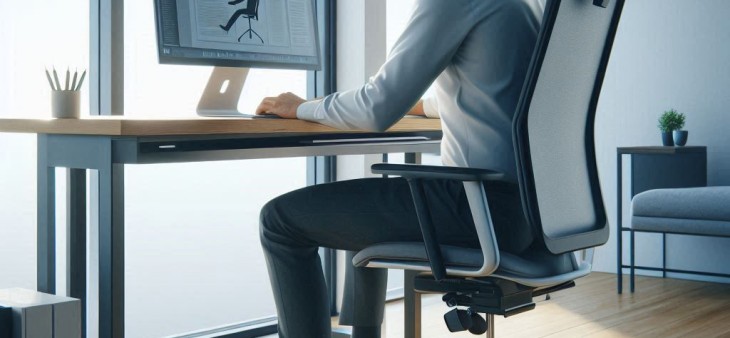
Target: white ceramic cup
{"type": "Point", "coordinates": [65, 104]}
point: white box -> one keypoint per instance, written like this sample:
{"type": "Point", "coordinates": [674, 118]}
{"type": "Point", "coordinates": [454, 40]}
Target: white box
{"type": "Point", "coordinates": [40, 315]}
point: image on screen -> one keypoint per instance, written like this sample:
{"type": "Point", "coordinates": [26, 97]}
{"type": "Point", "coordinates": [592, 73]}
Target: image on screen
{"type": "Point", "coordinates": [238, 33]}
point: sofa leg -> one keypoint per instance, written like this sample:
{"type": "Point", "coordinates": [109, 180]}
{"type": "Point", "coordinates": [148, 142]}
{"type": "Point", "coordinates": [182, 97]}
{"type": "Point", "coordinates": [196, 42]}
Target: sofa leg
{"type": "Point", "coordinates": [633, 253]}
{"type": "Point", "coordinates": [664, 255]}
{"type": "Point", "coordinates": [412, 306]}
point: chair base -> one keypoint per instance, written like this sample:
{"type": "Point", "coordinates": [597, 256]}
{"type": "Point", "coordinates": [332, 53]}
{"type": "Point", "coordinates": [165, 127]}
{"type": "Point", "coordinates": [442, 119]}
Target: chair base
{"type": "Point", "coordinates": [250, 33]}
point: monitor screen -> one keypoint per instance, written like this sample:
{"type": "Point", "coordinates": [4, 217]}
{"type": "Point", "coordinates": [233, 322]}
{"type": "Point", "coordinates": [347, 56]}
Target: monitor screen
{"type": "Point", "coordinates": [238, 33]}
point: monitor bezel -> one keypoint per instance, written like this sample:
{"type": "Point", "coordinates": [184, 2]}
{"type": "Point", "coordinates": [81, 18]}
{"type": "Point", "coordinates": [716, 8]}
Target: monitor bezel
{"type": "Point", "coordinates": [189, 61]}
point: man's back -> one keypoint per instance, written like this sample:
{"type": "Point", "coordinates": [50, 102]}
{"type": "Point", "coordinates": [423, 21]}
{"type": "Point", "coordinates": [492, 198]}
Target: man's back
{"type": "Point", "coordinates": [477, 94]}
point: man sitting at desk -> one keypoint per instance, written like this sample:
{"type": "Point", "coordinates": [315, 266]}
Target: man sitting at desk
{"type": "Point", "coordinates": [478, 53]}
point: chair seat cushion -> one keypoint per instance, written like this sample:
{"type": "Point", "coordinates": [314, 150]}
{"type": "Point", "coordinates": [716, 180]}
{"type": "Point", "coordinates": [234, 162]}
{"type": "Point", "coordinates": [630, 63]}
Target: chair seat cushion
{"type": "Point", "coordinates": [701, 211]}
{"type": "Point", "coordinates": [531, 264]}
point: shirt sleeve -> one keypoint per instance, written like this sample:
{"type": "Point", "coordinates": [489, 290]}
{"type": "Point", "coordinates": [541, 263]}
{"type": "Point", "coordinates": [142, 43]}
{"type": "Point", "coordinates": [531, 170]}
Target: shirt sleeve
{"type": "Point", "coordinates": [426, 47]}
{"type": "Point", "coordinates": [431, 107]}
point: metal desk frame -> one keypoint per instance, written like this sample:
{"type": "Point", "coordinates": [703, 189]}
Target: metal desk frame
{"type": "Point", "coordinates": [106, 157]}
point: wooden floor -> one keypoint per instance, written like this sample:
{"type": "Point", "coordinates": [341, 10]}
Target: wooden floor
{"type": "Point", "coordinates": [659, 308]}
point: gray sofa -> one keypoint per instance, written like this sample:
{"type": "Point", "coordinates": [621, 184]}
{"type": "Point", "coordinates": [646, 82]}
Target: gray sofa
{"type": "Point", "coordinates": [701, 211]}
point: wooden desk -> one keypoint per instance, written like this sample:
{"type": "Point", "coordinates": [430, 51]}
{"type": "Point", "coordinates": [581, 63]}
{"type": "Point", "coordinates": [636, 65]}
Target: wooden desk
{"type": "Point", "coordinates": [106, 144]}
{"type": "Point", "coordinates": [118, 126]}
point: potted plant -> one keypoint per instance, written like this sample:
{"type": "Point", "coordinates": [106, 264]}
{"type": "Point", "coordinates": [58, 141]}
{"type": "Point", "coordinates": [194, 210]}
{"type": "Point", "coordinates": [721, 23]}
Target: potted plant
{"type": "Point", "coordinates": [669, 122]}
{"type": "Point", "coordinates": [680, 135]}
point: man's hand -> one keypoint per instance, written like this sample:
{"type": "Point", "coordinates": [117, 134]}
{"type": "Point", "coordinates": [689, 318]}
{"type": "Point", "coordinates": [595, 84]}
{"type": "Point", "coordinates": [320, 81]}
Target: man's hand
{"type": "Point", "coordinates": [417, 109]}
{"type": "Point", "coordinates": [284, 105]}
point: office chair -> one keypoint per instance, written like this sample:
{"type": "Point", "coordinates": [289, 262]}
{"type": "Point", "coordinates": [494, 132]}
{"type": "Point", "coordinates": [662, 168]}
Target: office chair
{"type": "Point", "coordinates": [558, 180]}
{"type": "Point", "coordinates": [250, 12]}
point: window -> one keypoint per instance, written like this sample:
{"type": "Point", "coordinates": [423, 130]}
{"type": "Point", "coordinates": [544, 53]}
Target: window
{"type": "Point", "coordinates": [196, 222]}
{"type": "Point", "coordinates": [33, 36]}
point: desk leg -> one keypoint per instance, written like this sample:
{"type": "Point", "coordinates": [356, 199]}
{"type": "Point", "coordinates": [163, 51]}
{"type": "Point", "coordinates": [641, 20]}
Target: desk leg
{"type": "Point", "coordinates": [46, 228]}
{"type": "Point", "coordinates": [412, 306]}
{"type": "Point", "coordinates": [110, 219]}
{"type": "Point", "coordinates": [619, 233]}
{"type": "Point", "coordinates": [76, 238]}
{"type": "Point", "coordinates": [413, 158]}
{"type": "Point", "coordinates": [411, 298]}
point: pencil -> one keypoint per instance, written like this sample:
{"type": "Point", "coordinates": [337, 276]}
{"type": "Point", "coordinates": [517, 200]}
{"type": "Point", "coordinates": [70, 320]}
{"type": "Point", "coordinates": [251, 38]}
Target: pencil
{"type": "Point", "coordinates": [81, 81]}
{"type": "Point", "coordinates": [68, 78]}
{"type": "Point", "coordinates": [73, 83]}
{"type": "Point", "coordinates": [50, 82]}
{"type": "Point", "coordinates": [55, 77]}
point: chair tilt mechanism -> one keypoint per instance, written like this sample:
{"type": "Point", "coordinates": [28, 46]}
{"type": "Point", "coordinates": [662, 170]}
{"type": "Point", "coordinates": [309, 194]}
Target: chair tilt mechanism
{"type": "Point", "coordinates": [554, 147]}
{"type": "Point", "coordinates": [497, 297]}
{"type": "Point", "coordinates": [488, 295]}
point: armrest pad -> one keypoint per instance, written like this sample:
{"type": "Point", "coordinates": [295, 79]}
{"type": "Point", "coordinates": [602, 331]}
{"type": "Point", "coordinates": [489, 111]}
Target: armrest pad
{"type": "Point", "coordinates": [436, 172]}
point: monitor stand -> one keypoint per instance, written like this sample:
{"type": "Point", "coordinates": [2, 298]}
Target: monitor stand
{"type": "Point", "coordinates": [221, 94]}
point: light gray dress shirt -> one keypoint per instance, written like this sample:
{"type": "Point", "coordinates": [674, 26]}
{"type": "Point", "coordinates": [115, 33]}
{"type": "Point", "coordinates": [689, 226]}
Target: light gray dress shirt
{"type": "Point", "coordinates": [477, 51]}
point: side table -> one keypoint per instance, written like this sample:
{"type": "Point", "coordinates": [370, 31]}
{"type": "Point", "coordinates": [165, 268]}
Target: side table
{"type": "Point", "coordinates": [655, 168]}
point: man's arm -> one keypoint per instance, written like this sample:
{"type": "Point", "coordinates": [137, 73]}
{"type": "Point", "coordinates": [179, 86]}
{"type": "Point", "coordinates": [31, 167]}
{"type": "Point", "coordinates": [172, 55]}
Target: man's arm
{"type": "Point", "coordinates": [426, 47]}
{"type": "Point", "coordinates": [285, 105]}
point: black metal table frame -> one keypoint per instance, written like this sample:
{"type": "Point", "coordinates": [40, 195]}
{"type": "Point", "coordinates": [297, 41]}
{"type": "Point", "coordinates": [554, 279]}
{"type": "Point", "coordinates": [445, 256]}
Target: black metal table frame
{"type": "Point", "coordinates": [632, 266]}
{"type": "Point", "coordinates": [106, 156]}
{"type": "Point", "coordinates": [701, 153]}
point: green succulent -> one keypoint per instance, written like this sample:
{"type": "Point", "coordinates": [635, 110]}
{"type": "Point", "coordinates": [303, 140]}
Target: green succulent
{"type": "Point", "coordinates": [671, 120]}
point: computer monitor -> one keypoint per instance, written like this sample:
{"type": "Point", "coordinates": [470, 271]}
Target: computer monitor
{"type": "Point", "coordinates": [234, 36]}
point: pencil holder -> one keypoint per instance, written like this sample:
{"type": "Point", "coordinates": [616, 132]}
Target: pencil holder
{"type": "Point", "coordinates": [65, 104]}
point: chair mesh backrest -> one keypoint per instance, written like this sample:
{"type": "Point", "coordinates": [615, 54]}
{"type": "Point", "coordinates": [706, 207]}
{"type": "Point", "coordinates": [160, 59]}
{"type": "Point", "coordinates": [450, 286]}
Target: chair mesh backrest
{"type": "Point", "coordinates": [252, 6]}
{"type": "Point", "coordinates": [554, 124]}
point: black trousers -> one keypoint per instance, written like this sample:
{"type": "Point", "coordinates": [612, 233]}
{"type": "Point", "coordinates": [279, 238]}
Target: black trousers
{"type": "Point", "coordinates": [353, 215]}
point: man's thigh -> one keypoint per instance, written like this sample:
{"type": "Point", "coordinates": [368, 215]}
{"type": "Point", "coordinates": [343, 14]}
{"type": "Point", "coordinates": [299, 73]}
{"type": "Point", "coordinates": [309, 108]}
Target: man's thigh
{"type": "Point", "coordinates": [352, 215]}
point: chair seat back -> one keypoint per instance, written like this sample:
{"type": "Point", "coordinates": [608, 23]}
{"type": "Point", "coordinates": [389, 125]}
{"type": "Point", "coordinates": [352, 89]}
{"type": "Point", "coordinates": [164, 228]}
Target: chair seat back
{"type": "Point", "coordinates": [554, 124]}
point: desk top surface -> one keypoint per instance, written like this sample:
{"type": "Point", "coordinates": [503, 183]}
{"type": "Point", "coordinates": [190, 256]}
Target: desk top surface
{"type": "Point", "coordinates": [121, 126]}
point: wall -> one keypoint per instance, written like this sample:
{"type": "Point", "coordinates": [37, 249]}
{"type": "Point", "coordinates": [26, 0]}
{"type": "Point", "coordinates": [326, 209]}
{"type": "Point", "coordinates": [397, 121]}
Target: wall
{"type": "Point", "coordinates": [667, 54]}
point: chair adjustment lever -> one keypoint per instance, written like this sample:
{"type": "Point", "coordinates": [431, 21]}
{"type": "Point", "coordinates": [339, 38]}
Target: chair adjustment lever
{"type": "Point", "coordinates": [453, 299]}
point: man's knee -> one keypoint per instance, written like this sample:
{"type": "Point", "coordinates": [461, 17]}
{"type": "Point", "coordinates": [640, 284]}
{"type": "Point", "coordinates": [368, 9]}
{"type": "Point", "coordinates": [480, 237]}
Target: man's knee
{"type": "Point", "coordinates": [285, 219]}
{"type": "Point", "coordinates": [270, 216]}
{"type": "Point", "coordinates": [276, 222]}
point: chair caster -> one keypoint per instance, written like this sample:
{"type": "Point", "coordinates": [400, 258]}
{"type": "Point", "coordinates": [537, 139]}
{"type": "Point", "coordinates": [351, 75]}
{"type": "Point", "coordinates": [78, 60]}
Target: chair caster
{"type": "Point", "coordinates": [461, 320]}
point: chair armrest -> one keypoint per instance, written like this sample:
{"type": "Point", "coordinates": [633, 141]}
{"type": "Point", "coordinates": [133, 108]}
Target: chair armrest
{"type": "Point", "coordinates": [415, 171]}
{"type": "Point", "coordinates": [472, 177]}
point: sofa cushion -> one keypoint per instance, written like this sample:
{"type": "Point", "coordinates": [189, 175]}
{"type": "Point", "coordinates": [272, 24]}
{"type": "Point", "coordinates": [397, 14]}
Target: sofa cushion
{"type": "Point", "coordinates": [701, 211]}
